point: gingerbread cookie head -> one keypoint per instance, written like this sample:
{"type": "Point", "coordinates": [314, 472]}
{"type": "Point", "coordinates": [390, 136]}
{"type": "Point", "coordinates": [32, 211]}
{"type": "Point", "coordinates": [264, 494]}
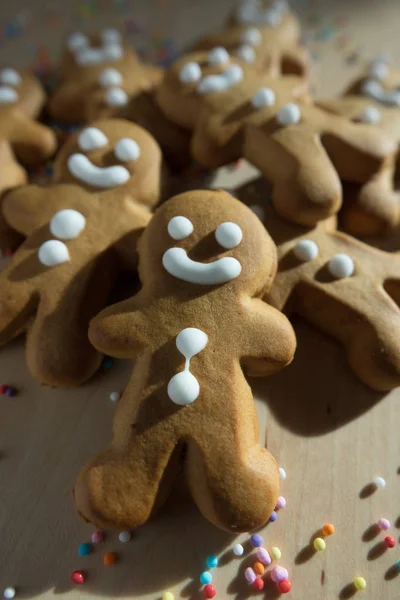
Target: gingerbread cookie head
{"type": "Point", "coordinates": [21, 90]}
{"type": "Point", "coordinates": [114, 157]}
{"type": "Point", "coordinates": [380, 83]}
{"type": "Point", "coordinates": [189, 250]}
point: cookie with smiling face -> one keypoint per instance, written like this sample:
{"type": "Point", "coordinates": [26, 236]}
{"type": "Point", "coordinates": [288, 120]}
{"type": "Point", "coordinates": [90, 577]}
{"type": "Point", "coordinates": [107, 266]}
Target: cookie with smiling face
{"type": "Point", "coordinates": [81, 234]}
{"type": "Point", "coordinates": [343, 287]}
{"type": "Point", "coordinates": [197, 323]}
{"type": "Point", "coordinates": [265, 36]}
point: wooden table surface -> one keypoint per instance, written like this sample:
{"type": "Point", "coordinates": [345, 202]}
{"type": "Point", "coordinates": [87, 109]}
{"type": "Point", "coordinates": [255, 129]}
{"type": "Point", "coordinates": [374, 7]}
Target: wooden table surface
{"type": "Point", "coordinates": [332, 435]}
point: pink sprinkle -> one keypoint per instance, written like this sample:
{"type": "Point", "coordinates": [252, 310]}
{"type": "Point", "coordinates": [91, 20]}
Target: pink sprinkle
{"type": "Point", "coordinates": [279, 574]}
{"type": "Point", "coordinates": [384, 524]}
{"type": "Point", "coordinates": [97, 537]}
{"type": "Point", "coordinates": [250, 575]}
{"type": "Point", "coordinates": [263, 556]}
{"type": "Point", "coordinates": [281, 503]}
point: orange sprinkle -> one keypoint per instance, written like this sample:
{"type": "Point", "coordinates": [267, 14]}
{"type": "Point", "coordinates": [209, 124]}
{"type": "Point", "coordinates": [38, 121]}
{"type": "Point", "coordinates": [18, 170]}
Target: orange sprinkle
{"type": "Point", "coordinates": [328, 529]}
{"type": "Point", "coordinates": [258, 568]}
{"type": "Point", "coordinates": [110, 558]}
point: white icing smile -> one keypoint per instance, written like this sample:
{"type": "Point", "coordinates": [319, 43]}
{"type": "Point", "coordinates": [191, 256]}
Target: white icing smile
{"type": "Point", "coordinates": [103, 177]}
{"type": "Point", "coordinates": [86, 55]}
{"type": "Point", "coordinates": [178, 264]}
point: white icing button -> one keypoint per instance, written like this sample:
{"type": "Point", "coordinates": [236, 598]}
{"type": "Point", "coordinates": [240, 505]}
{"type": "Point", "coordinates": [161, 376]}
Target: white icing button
{"type": "Point", "coordinates": [67, 224]}
{"type": "Point", "coordinates": [246, 53]}
{"type": "Point", "coordinates": [190, 73]}
{"type": "Point", "coordinates": [218, 56]}
{"type": "Point", "coordinates": [127, 150]}
{"type": "Point", "coordinates": [91, 138]}
{"type": "Point", "coordinates": [258, 210]}
{"type": "Point", "coordinates": [112, 52]}
{"type": "Point", "coordinates": [8, 95]}
{"type": "Point", "coordinates": [252, 36]}
{"type": "Point", "coordinates": [111, 36]}
{"type": "Point", "coordinates": [264, 97]}
{"type": "Point", "coordinates": [233, 74]}
{"type": "Point", "coordinates": [10, 77]}
{"type": "Point", "coordinates": [379, 69]}
{"type": "Point", "coordinates": [341, 266]}
{"type": "Point", "coordinates": [116, 97]}
{"type": "Point", "coordinates": [228, 235]}
{"type": "Point", "coordinates": [180, 228]}
{"type": "Point", "coordinates": [110, 77]}
{"type": "Point", "coordinates": [53, 253]}
{"type": "Point", "coordinates": [77, 41]}
{"type": "Point", "coordinates": [371, 115]}
{"type": "Point", "coordinates": [289, 115]}
{"type": "Point", "coordinates": [183, 388]}
{"type": "Point", "coordinates": [306, 250]}
{"type": "Point", "coordinates": [102, 177]}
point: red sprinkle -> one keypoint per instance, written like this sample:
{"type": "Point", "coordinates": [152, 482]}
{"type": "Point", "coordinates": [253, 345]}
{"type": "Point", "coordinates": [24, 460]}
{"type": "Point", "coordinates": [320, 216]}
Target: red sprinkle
{"type": "Point", "coordinates": [390, 542]}
{"type": "Point", "coordinates": [3, 389]}
{"type": "Point", "coordinates": [209, 591]}
{"type": "Point", "coordinates": [259, 584]}
{"type": "Point", "coordinates": [284, 587]}
{"type": "Point", "coordinates": [78, 577]}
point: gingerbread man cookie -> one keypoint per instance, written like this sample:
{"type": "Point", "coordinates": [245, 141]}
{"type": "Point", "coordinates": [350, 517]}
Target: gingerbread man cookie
{"type": "Point", "coordinates": [267, 37]}
{"type": "Point", "coordinates": [373, 98]}
{"type": "Point", "coordinates": [205, 260]}
{"type": "Point", "coordinates": [82, 233]}
{"type": "Point", "coordinates": [345, 288]}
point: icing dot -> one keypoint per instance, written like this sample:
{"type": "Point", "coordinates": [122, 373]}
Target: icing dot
{"type": "Point", "coordinates": [7, 95]}
{"type": "Point", "coordinates": [272, 17]}
{"type": "Point", "coordinates": [222, 81]}
{"type": "Point", "coordinates": [379, 69]}
{"type": "Point", "coordinates": [258, 210]}
{"type": "Point", "coordinates": [91, 138]}
{"type": "Point", "coordinates": [53, 253]}
{"type": "Point", "coordinates": [306, 250]}
{"type": "Point", "coordinates": [180, 228]}
{"type": "Point", "coordinates": [228, 235]}
{"type": "Point", "coordinates": [371, 87]}
{"type": "Point", "coordinates": [289, 115]}
{"type": "Point", "coordinates": [111, 36]}
{"type": "Point", "coordinates": [10, 77]}
{"type": "Point", "coordinates": [116, 97]}
{"type": "Point", "coordinates": [246, 53]}
{"type": "Point", "coordinates": [341, 266]}
{"type": "Point", "coordinates": [112, 52]}
{"type": "Point", "coordinates": [110, 77]}
{"type": "Point", "coordinates": [67, 224]}
{"type": "Point", "coordinates": [124, 536]}
{"type": "Point", "coordinates": [252, 36]}
{"type": "Point", "coordinates": [371, 115]}
{"type": "Point", "coordinates": [263, 97]}
{"type": "Point", "coordinates": [218, 56]}
{"type": "Point", "coordinates": [234, 74]}
{"type": "Point", "coordinates": [77, 41]}
{"type": "Point", "coordinates": [127, 150]}
{"type": "Point", "coordinates": [190, 73]}
{"type": "Point", "coordinates": [9, 593]}
{"type": "Point", "coordinates": [183, 388]}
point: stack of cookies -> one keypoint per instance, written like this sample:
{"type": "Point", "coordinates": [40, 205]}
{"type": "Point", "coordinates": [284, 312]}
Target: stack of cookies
{"type": "Point", "coordinates": [220, 273]}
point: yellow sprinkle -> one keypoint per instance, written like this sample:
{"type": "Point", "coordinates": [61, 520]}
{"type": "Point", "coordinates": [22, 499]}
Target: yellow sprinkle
{"type": "Point", "coordinates": [319, 544]}
{"type": "Point", "coordinates": [275, 553]}
{"type": "Point", "coordinates": [360, 583]}
{"type": "Point", "coordinates": [167, 596]}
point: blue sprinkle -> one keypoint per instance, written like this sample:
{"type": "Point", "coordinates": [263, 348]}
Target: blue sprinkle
{"type": "Point", "coordinates": [84, 549]}
{"type": "Point", "coordinates": [212, 561]}
{"type": "Point", "coordinates": [206, 578]}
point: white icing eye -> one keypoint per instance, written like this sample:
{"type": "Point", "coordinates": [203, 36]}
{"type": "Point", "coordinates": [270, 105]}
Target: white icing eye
{"type": "Point", "coordinates": [246, 53]}
{"type": "Point", "coordinates": [264, 97]}
{"type": "Point", "coordinates": [228, 235]}
{"type": "Point", "coordinates": [110, 77]}
{"type": "Point", "coordinates": [180, 228]}
{"type": "Point", "coordinates": [190, 73]}
{"type": "Point", "coordinates": [371, 115]}
{"type": "Point", "coordinates": [234, 74]}
{"type": "Point", "coordinates": [289, 115]}
{"type": "Point", "coordinates": [91, 138]}
{"type": "Point", "coordinates": [116, 97]}
{"type": "Point", "coordinates": [341, 266]}
{"type": "Point", "coordinates": [8, 95]}
{"type": "Point", "coordinates": [379, 69]}
{"type": "Point", "coordinates": [306, 250]}
{"type": "Point", "coordinates": [67, 224]}
{"type": "Point", "coordinates": [112, 52]}
{"type": "Point", "coordinates": [77, 41]}
{"type": "Point", "coordinates": [218, 56]}
{"type": "Point", "coordinates": [111, 36]}
{"type": "Point", "coordinates": [258, 210]}
{"type": "Point", "coordinates": [10, 77]}
{"type": "Point", "coordinates": [127, 150]}
{"type": "Point", "coordinates": [252, 37]}
{"type": "Point", "coordinates": [53, 253]}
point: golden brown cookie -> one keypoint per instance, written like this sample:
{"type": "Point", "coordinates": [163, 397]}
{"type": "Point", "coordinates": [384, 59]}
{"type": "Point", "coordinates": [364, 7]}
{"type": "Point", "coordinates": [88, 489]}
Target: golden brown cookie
{"type": "Point", "coordinates": [343, 287]}
{"type": "Point", "coordinates": [267, 37]}
{"type": "Point", "coordinates": [205, 261]}
{"type": "Point", "coordinates": [82, 232]}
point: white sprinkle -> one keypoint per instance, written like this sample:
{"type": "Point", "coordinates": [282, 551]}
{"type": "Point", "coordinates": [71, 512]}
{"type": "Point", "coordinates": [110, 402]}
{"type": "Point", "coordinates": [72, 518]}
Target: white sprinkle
{"type": "Point", "coordinates": [380, 482]}
{"type": "Point", "coordinates": [238, 550]}
{"type": "Point", "coordinates": [124, 536]}
{"type": "Point", "coordinates": [115, 396]}
{"type": "Point", "coordinates": [282, 473]}
{"type": "Point", "coordinates": [9, 593]}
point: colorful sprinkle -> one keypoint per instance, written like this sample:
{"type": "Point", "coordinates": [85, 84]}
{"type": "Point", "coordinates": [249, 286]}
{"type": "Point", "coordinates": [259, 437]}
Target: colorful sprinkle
{"type": "Point", "coordinates": [319, 544]}
{"type": "Point", "coordinates": [209, 591]}
{"type": "Point", "coordinates": [110, 558]}
{"type": "Point", "coordinates": [275, 553]}
{"type": "Point", "coordinates": [258, 584]}
{"type": "Point", "coordinates": [250, 576]}
{"type": "Point", "coordinates": [273, 517]}
{"type": "Point", "coordinates": [384, 524]}
{"type": "Point", "coordinates": [279, 574]}
{"type": "Point", "coordinates": [108, 363]}
{"type": "Point", "coordinates": [360, 583]}
{"type": "Point", "coordinates": [84, 549]}
{"type": "Point", "coordinates": [3, 389]}
{"type": "Point", "coordinates": [78, 577]}
{"type": "Point", "coordinates": [258, 568]}
{"type": "Point", "coordinates": [97, 537]}
{"type": "Point", "coordinates": [282, 473]}
{"type": "Point", "coordinates": [380, 482]}
{"type": "Point", "coordinates": [115, 396]}
{"type": "Point", "coordinates": [167, 596]}
{"type": "Point", "coordinates": [238, 550]}
{"type": "Point", "coordinates": [212, 561]}
{"type": "Point", "coordinates": [284, 587]}
{"type": "Point", "coordinates": [256, 540]}
{"type": "Point", "coordinates": [281, 503]}
{"type": "Point", "coordinates": [124, 536]}
{"type": "Point", "coordinates": [9, 593]}
{"type": "Point", "coordinates": [328, 529]}
{"type": "Point", "coordinates": [263, 556]}
{"type": "Point", "coordinates": [389, 541]}
{"type": "Point", "coordinates": [205, 578]}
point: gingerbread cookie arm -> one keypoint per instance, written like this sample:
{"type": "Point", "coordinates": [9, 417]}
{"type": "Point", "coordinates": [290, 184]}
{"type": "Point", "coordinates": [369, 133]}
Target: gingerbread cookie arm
{"type": "Point", "coordinates": [32, 142]}
{"type": "Point", "coordinates": [295, 61]}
